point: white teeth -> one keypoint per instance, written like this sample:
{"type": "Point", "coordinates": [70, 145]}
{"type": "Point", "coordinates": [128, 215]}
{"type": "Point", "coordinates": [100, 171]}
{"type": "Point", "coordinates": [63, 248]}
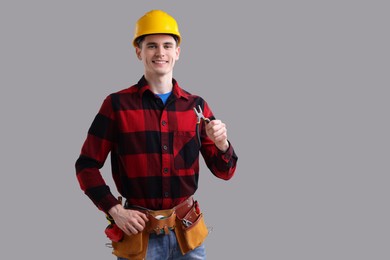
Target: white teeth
{"type": "Point", "coordinates": [161, 62]}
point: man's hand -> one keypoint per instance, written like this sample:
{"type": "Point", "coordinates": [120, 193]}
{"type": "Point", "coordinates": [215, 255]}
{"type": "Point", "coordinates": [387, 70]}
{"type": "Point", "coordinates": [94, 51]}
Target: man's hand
{"type": "Point", "coordinates": [130, 221]}
{"type": "Point", "coordinates": [216, 131]}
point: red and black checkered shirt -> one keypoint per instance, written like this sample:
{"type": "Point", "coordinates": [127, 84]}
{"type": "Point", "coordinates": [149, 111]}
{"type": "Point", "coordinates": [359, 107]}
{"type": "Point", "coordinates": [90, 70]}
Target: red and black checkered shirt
{"type": "Point", "coordinates": [154, 149]}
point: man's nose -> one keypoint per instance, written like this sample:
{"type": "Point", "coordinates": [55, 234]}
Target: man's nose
{"type": "Point", "coordinates": [160, 51]}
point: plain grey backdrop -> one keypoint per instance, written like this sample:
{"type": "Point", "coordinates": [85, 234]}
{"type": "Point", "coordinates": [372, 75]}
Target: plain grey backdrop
{"type": "Point", "coordinates": [303, 87]}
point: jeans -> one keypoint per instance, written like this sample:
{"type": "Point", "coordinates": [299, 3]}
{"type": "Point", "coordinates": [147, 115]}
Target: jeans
{"type": "Point", "coordinates": [165, 247]}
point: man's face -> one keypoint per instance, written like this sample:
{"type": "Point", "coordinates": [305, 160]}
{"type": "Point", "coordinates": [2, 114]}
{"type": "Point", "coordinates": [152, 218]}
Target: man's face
{"type": "Point", "coordinates": [158, 53]}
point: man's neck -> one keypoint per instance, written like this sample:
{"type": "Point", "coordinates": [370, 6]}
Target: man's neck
{"type": "Point", "coordinates": [160, 85]}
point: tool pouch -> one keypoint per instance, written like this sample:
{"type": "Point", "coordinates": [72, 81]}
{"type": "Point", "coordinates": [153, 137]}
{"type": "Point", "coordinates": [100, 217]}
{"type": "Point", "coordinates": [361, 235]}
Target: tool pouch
{"type": "Point", "coordinates": [132, 247]}
{"type": "Point", "coordinates": [191, 229]}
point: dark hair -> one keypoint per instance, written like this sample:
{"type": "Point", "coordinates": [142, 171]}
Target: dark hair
{"type": "Point", "coordinates": [140, 39]}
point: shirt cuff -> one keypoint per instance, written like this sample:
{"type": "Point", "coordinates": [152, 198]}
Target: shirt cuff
{"type": "Point", "coordinates": [107, 203]}
{"type": "Point", "coordinates": [227, 155]}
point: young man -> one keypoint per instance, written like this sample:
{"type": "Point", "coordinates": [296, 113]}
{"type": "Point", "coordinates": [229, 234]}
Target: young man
{"type": "Point", "coordinates": [154, 137]}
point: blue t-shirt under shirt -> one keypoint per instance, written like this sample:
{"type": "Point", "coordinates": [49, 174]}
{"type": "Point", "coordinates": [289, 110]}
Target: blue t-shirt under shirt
{"type": "Point", "coordinates": [164, 97]}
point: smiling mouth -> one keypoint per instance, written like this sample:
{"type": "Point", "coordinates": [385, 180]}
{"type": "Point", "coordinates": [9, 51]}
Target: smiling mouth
{"type": "Point", "coordinates": [160, 61]}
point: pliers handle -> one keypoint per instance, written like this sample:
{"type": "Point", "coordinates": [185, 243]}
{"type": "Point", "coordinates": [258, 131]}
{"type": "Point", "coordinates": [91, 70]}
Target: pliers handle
{"type": "Point", "coordinates": [200, 116]}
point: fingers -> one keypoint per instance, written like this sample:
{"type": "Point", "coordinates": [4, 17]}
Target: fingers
{"type": "Point", "coordinates": [141, 220]}
{"type": "Point", "coordinates": [134, 227]}
{"type": "Point", "coordinates": [138, 222]}
{"type": "Point", "coordinates": [216, 131]}
{"type": "Point", "coordinates": [130, 230]}
{"type": "Point", "coordinates": [132, 221]}
{"type": "Point", "coordinates": [143, 216]}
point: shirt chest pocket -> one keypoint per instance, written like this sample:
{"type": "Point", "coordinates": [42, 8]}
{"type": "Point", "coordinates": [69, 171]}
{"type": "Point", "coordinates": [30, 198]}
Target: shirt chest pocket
{"type": "Point", "coordinates": [185, 149]}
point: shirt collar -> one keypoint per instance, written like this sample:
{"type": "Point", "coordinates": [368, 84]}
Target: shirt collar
{"type": "Point", "coordinates": [143, 86]}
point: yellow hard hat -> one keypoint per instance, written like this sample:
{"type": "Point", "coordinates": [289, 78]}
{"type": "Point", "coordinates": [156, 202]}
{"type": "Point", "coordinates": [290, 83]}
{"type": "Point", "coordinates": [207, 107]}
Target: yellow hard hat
{"type": "Point", "coordinates": [155, 22]}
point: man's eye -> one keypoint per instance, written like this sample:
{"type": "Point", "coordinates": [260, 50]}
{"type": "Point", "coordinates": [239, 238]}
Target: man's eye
{"type": "Point", "coordinates": [151, 46]}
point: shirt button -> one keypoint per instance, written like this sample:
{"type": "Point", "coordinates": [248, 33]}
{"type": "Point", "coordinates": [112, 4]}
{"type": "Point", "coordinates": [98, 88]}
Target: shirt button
{"type": "Point", "coordinates": [165, 147]}
{"type": "Point", "coordinates": [166, 194]}
{"type": "Point", "coordinates": [165, 170]}
{"type": "Point", "coordinates": [163, 122]}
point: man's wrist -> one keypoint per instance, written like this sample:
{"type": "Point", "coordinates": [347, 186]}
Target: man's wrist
{"type": "Point", "coordinates": [114, 210]}
{"type": "Point", "coordinates": [223, 147]}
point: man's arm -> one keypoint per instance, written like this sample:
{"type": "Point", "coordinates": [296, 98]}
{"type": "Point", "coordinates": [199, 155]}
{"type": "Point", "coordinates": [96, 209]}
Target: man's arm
{"type": "Point", "coordinates": [97, 146]}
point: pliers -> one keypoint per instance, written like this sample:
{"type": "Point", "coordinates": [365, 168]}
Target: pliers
{"type": "Point", "coordinates": [200, 116]}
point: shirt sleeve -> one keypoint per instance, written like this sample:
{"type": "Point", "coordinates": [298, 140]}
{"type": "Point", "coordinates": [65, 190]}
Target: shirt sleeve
{"type": "Point", "coordinates": [94, 152]}
{"type": "Point", "coordinates": [221, 164]}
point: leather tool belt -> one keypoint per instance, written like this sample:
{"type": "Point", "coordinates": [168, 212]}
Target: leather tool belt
{"type": "Point", "coordinates": [185, 220]}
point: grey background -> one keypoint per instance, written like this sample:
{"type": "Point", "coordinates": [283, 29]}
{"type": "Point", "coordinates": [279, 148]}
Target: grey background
{"type": "Point", "coordinates": [303, 87]}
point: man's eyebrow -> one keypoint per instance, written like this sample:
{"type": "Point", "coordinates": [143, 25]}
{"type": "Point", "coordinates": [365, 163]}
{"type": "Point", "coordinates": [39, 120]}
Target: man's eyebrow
{"type": "Point", "coordinates": [155, 43]}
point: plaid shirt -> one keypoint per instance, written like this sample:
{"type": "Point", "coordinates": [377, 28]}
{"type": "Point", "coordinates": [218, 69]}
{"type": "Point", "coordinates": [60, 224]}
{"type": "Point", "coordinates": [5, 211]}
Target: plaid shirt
{"type": "Point", "coordinates": [154, 149]}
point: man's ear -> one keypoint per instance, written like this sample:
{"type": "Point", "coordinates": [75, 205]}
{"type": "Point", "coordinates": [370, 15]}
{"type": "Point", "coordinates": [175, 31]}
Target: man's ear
{"type": "Point", "coordinates": [177, 53]}
{"type": "Point", "coordinates": [138, 53]}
